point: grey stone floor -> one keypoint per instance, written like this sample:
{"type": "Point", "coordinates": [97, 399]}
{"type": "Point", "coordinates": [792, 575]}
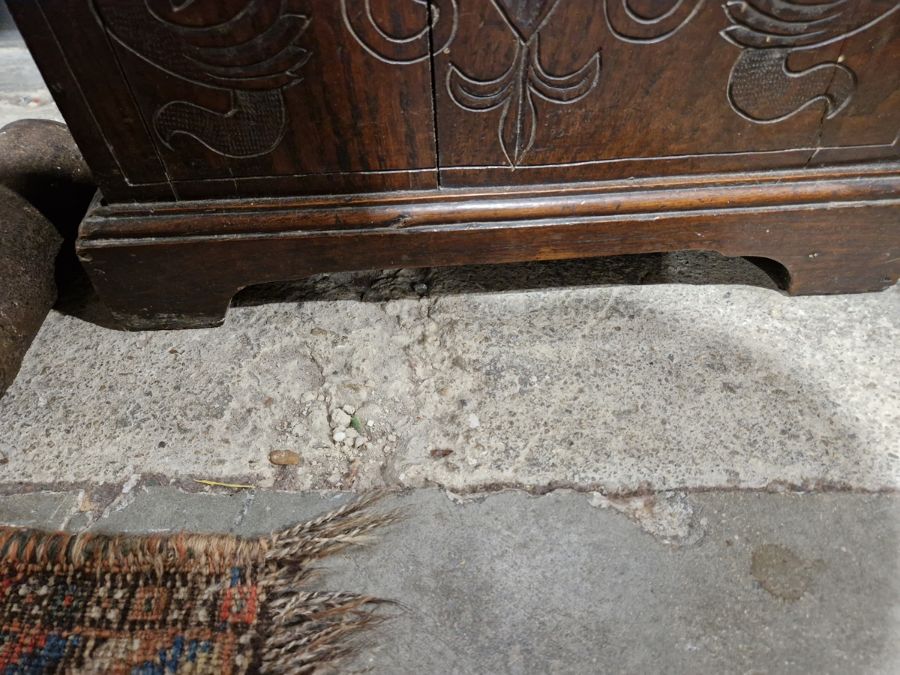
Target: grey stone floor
{"type": "Point", "coordinates": [718, 463]}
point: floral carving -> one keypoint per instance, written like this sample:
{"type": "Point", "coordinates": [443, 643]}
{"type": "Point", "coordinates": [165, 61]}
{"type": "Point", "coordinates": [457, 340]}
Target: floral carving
{"type": "Point", "coordinates": [762, 88]}
{"type": "Point", "coordinates": [246, 50]}
{"type": "Point", "coordinates": [436, 34]}
{"type": "Point", "coordinates": [629, 25]}
{"type": "Point", "coordinates": [524, 80]}
{"type": "Point", "coordinates": [514, 92]}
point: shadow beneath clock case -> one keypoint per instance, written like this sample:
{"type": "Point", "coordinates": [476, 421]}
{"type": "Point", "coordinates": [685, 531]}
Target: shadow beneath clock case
{"type": "Point", "coordinates": [657, 268]}
{"type": "Point", "coordinates": [689, 267]}
{"type": "Point", "coordinates": [78, 298]}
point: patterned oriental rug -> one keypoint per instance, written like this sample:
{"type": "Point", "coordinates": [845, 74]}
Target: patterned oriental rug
{"type": "Point", "coordinates": [91, 603]}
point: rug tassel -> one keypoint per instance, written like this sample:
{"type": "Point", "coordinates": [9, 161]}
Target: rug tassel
{"type": "Point", "coordinates": [315, 627]}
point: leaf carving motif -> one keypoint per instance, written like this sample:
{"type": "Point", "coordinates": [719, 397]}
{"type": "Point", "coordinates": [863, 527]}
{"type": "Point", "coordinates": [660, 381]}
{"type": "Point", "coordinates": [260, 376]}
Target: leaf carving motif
{"type": "Point", "coordinates": [762, 87]}
{"type": "Point", "coordinates": [515, 92]}
{"type": "Point", "coordinates": [768, 33]}
{"type": "Point", "coordinates": [526, 17]}
{"type": "Point", "coordinates": [244, 49]}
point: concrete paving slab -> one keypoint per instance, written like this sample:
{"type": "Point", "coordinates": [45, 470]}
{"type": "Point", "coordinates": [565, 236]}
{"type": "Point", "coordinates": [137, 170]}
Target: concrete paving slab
{"type": "Point", "coordinates": [166, 509]}
{"type": "Point", "coordinates": [519, 584]}
{"type": "Point", "coordinates": [266, 512]}
{"type": "Point", "coordinates": [45, 510]}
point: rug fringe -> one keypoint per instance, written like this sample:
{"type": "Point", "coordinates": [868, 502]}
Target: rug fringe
{"type": "Point", "coordinates": [308, 630]}
{"type": "Point", "coordinates": [316, 627]}
{"type": "Point", "coordinates": [346, 526]}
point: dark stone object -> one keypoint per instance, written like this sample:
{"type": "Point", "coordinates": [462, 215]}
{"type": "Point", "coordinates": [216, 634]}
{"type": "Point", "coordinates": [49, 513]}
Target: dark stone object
{"type": "Point", "coordinates": [28, 247]}
{"type": "Point", "coordinates": [40, 161]}
{"type": "Point", "coordinates": [45, 188]}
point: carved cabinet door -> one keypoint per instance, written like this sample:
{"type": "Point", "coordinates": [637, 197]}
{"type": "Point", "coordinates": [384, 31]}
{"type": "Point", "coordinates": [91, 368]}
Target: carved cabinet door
{"type": "Point", "coordinates": [558, 90]}
{"type": "Point", "coordinates": [190, 99]}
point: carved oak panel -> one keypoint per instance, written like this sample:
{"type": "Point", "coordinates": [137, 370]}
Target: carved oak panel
{"type": "Point", "coordinates": [216, 98]}
{"type": "Point", "coordinates": [234, 97]}
{"type": "Point", "coordinates": [550, 90]}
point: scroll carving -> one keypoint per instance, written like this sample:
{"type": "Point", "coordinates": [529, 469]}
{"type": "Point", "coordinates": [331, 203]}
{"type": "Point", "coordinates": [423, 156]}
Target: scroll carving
{"type": "Point", "coordinates": [762, 88]}
{"type": "Point", "coordinates": [240, 46]}
{"type": "Point", "coordinates": [630, 25]}
{"type": "Point", "coordinates": [252, 50]}
{"type": "Point", "coordinates": [436, 35]}
{"type": "Point", "coordinates": [514, 92]}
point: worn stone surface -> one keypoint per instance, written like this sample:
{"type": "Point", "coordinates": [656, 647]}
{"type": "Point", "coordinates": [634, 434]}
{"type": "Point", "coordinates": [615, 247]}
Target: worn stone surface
{"type": "Point", "coordinates": [511, 583]}
{"type": "Point", "coordinates": [28, 248]}
{"type": "Point", "coordinates": [165, 509]}
{"type": "Point", "coordinates": [782, 572]}
{"type": "Point", "coordinates": [613, 389]}
{"type": "Point", "coordinates": [517, 584]}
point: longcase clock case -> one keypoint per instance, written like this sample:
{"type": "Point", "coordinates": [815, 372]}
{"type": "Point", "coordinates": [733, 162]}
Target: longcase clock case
{"type": "Point", "coordinates": [237, 142]}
